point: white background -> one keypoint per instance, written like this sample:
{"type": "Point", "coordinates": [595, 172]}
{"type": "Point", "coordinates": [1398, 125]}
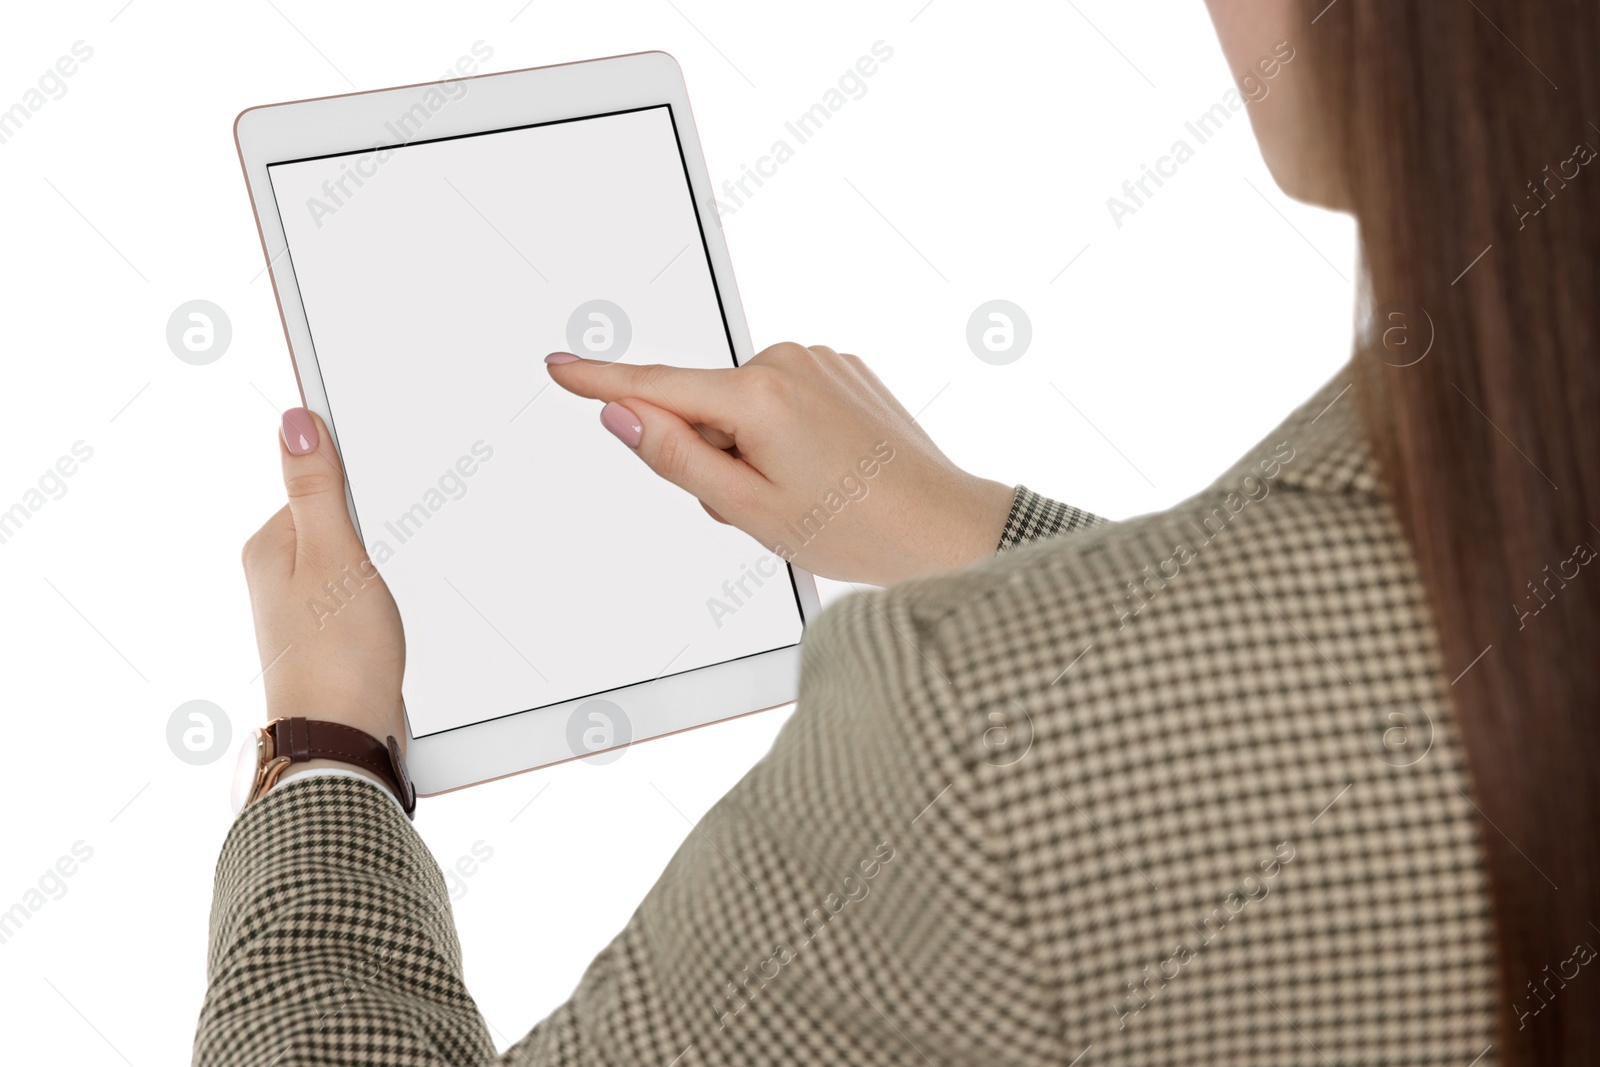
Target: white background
{"type": "Point", "coordinates": [976, 166]}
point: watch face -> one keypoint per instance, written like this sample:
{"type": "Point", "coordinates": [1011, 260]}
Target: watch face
{"type": "Point", "coordinates": [244, 770]}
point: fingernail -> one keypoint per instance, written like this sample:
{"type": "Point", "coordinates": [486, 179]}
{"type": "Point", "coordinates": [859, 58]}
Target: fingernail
{"type": "Point", "coordinates": [623, 423]}
{"type": "Point", "coordinates": [299, 432]}
{"type": "Point", "coordinates": [561, 357]}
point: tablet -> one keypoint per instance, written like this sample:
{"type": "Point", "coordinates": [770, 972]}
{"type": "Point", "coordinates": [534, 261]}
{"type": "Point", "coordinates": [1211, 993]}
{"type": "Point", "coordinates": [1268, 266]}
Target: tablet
{"type": "Point", "coordinates": [429, 245]}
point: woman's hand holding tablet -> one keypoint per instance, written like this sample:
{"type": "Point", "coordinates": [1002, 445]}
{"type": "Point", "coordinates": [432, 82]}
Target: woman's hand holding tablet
{"type": "Point", "coordinates": [345, 668]}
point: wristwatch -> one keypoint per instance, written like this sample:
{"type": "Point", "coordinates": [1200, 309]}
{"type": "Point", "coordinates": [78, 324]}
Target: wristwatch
{"type": "Point", "coordinates": [283, 742]}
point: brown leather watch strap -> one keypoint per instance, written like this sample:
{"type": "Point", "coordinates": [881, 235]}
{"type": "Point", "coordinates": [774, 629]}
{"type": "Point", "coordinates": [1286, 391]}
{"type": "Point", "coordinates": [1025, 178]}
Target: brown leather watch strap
{"type": "Point", "coordinates": [303, 739]}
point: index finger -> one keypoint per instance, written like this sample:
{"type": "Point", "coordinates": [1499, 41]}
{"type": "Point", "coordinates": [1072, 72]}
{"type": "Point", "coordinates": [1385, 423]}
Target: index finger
{"type": "Point", "coordinates": [698, 395]}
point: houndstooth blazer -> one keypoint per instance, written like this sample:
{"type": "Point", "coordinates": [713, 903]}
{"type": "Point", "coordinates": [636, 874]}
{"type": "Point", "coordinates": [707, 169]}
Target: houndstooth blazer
{"type": "Point", "coordinates": [1178, 790]}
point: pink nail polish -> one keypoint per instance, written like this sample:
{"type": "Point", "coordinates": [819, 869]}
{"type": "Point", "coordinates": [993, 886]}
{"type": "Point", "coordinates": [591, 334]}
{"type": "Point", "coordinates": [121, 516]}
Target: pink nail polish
{"type": "Point", "coordinates": [561, 357]}
{"type": "Point", "coordinates": [623, 423]}
{"type": "Point", "coordinates": [299, 432]}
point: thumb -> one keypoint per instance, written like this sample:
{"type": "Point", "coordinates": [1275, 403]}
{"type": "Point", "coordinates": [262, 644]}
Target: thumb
{"type": "Point", "coordinates": [679, 452]}
{"type": "Point", "coordinates": [313, 477]}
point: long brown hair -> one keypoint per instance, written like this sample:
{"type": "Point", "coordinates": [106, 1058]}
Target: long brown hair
{"type": "Point", "coordinates": [1466, 131]}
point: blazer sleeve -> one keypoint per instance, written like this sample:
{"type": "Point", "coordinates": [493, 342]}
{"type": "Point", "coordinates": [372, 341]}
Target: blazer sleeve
{"type": "Point", "coordinates": [332, 940]}
{"type": "Point", "coordinates": [1034, 518]}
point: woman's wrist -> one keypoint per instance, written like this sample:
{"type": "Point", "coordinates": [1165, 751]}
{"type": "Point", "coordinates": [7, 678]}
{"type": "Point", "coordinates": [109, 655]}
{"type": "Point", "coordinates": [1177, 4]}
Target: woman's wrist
{"type": "Point", "coordinates": [295, 769]}
{"type": "Point", "coordinates": [970, 521]}
{"type": "Point", "coordinates": [350, 704]}
{"type": "Point", "coordinates": [355, 744]}
{"type": "Point", "coordinates": [986, 519]}
{"type": "Point", "coordinates": [953, 526]}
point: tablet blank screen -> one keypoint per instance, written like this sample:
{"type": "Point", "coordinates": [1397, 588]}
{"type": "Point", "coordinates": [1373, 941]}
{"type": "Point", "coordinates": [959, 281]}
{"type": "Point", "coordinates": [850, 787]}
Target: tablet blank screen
{"type": "Point", "coordinates": [534, 558]}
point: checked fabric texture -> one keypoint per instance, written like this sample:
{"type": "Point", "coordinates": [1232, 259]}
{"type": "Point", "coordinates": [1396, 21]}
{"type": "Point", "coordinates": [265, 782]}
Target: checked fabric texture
{"type": "Point", "coordinates": [1183, 789]}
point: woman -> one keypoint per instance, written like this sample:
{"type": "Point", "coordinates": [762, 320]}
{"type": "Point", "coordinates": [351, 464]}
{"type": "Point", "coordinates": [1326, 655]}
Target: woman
{"type": "Point", "coordinates": [1302, 770]}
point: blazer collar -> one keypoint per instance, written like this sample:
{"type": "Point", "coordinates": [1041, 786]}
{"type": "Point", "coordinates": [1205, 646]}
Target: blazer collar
{"type": "Point", "coordinates": [1331, 454]}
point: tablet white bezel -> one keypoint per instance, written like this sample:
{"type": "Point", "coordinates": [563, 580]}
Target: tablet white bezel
{"type": "Point", "coordinates": [356, 121]}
